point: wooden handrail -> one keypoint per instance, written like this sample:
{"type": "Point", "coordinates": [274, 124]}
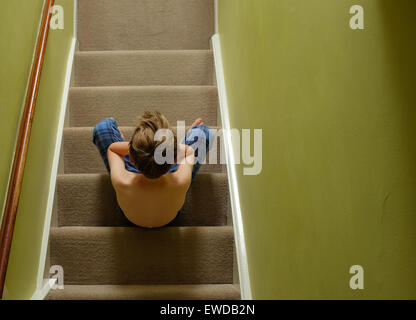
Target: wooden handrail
{"type": "Point", "coordinates": [19, 161]}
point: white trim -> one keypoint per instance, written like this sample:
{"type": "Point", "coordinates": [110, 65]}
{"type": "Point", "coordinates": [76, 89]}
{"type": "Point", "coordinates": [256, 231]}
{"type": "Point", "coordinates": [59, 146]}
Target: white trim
{"type": "Point", "coordinates": [54, 172]}
{"type": "Point", "coordinates": [42, 293]}
{"type": "Point", "coordinates": [241, 253]}
{"type": "Point", "coordinates": [216, 15]}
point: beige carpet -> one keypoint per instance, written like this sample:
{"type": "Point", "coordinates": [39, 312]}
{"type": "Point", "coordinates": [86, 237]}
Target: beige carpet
{"type": "Point", "coordinates": [89, 200]}
{"type": "Point", "coordinates": [89, 105]}
{"type": "Point", "coordinates": [128, 255]}
{"type": "Point", "coordinates": [145, 68]}
{"type": "Point", "coordinates": [145, 24]}
{"type": "Point", "coordinates": [149, 292]}
{"type": "Point", "coordinates": [139, 55]}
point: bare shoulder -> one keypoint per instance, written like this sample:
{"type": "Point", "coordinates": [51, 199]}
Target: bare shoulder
{"type": "Point", "coordinates": [183, 176]}
{"type": "Point", "coordinates": [179, 179]}
{"type": "Point", "coordinates": [122, 180]}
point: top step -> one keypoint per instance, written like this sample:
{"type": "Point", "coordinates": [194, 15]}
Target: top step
{"type": "Point", "coordinates": [145, 24]}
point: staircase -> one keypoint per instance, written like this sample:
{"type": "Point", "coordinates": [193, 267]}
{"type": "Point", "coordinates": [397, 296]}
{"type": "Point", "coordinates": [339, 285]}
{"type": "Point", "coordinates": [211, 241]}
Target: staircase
{"type": "Point", "coordinates": [137, 55]}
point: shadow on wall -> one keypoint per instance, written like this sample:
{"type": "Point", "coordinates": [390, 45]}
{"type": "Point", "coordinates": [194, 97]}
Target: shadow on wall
{"type": "Point", "coordinates": [399, 27]}
{"type": "Point", "coordinates": [399, 30]}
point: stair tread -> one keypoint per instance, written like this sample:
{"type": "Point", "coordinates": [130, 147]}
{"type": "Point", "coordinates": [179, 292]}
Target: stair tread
{"type": "Point", "coordinates": [89, 200]}
{"type": "Point", "coordinates": [81, 155]}
{"type": "Point", "coordinates": [89, 105]}
{"type": "Point", "coordinates": [147, 292]}
{"type": "Point", "coordinates": [145, 24]}
{"type": "Point", "coordinates": [129, 255]}
{"type": "Point", "coordinates": [143, 67]}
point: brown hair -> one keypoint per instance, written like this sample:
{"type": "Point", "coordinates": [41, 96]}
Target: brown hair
{"type": "Point", "coordinates": [143, 145]}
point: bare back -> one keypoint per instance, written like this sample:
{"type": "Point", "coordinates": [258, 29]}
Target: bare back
{"type": "Point", "coordinates": [151, 203]}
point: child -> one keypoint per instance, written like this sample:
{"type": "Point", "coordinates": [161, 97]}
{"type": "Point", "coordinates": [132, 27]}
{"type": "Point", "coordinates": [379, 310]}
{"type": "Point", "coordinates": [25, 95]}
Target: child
{"type": "Point", "coordinates": [151, 195]}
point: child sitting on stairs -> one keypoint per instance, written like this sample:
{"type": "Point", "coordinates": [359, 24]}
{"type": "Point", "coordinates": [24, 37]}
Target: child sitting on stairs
{"type": "Point", "coordinates": [149, 192]}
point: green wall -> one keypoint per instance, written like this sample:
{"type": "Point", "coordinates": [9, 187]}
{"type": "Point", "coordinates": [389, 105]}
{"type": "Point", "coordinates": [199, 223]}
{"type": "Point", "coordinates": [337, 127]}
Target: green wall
{"type": "Point", "coordinates": [337, 109]}
{"type": "Point", "coordinates": [18, 29]}
{"type": "Point", "coordinates": [25, 253]}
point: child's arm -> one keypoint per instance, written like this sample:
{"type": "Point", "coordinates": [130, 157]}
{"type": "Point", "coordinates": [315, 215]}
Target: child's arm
{"type": "Point", "coordinates": [120, 148]}
{"type": "Point", "coordinates": [186, 159]}
{"type": "Point", "coordinates": [115, 154]}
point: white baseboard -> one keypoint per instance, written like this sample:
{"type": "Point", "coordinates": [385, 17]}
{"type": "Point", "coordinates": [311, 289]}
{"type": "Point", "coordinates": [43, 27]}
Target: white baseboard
{"type": "Point", "coordinates": [41, 287]}
{"type": "Point", "coordinates": [241, 253]}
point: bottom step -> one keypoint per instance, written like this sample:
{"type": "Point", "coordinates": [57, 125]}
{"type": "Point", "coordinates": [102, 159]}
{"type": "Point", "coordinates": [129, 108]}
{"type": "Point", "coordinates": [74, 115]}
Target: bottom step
{"type": "Point", "coordinates": [147, 292]}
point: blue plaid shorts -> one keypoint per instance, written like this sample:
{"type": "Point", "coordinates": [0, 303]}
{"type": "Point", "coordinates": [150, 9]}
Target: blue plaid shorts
{"type": "Point", "coordinates": [106, 133]}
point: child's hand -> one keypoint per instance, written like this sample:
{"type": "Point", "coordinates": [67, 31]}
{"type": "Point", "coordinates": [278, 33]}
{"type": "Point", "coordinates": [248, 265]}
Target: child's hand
{"type": "Point", "coordinates": [185, 154]}
{"type": "Point", "coordinates": [197, 122]}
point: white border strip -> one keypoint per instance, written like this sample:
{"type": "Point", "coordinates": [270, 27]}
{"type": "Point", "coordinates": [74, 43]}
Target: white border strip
{"type": "Point", "coordinates": [40, 287]}
{"type": "Point", "coordinates": [232, 176]}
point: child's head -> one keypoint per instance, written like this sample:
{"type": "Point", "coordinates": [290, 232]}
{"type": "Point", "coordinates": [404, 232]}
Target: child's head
{"type": "Point", "coordinates": [143, 144]}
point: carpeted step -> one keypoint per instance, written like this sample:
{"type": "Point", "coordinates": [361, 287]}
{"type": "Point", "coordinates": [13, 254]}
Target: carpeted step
{"type": "Point", "coordinates": [89, 105]}
{"type": "Point", "coordinates": [145, 24]}
{"type": "Point", "coordinates": [89, 200]}
{"type": "Point", "coordinates": [173, 255]}
{"type": "Point", "coordinates": [147, 292]}
{"type": "Point", "coordinates": [81, 155]}
{"type": "Point", "coordinates": [143, 68]}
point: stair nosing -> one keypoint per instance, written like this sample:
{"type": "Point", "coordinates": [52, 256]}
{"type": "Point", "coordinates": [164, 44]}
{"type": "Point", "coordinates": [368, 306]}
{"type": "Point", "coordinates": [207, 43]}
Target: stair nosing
{"type": "Point", "coordinates": [209, 86]}
{"type": "Point", "coordinates": [164, 51]}
{"type": "Point", "coordinates": [60, 175]}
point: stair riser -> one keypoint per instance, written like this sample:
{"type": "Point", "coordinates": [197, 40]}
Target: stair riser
{"type": "Point", "coordinates": [145, 24]}
{"type": "Point", "coordinates": [89, 200]}
{"type": "Point", "coordinates": [88, 106]}
{"type": "Point", "coordinates": [144, 68]}
{"type": "Point", "coordinates": [137, 256]}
